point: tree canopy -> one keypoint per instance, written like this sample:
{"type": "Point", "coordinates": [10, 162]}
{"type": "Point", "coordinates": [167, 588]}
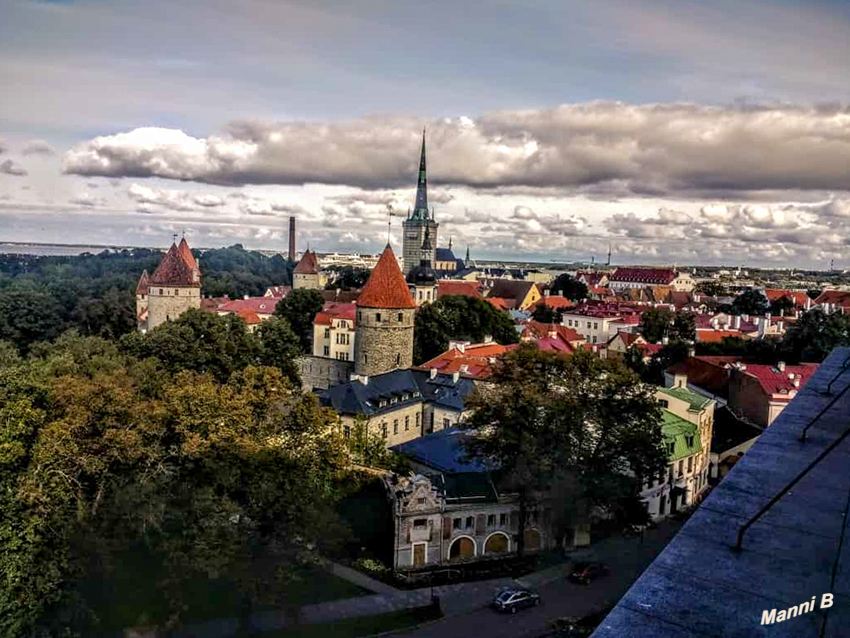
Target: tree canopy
{"type": "Point", "coordinates": [569, 287]}
{"type": "Point", "coordinates": [547, 421]}
{"type": "Point", "coordinates": [456, 317]}
{"type": "Point", "coordinates": [750, 302]}
{"type": "Point", "coordinates": [299, 308]}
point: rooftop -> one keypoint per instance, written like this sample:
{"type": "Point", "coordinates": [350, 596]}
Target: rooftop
{"type": "Point", "coordinates": [442, 450]}
{"type": "Point", "coordinates": [676, 431]}
{"type": "Point", "coordinates": [700, 586]}
{"type": "Point", "coordinates": [386, 286]}
{"type": "Point", "coordinates": [696, 401]}
{"type": "Point", "coordinates": [307, 265]}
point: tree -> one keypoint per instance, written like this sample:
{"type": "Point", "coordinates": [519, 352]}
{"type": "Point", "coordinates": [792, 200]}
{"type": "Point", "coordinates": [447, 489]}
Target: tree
{"type": "Point", "coordinates": [815, 334]}
{"type": "Point", "coordinates": [569, 287]}
{"type": "Point", "coordinates": [348, 278]}
{"type": "Point", "coordinates": [655, 324]}
{"type": "Point", "coordinates": [27, 316]}
{"type": "Point", "coordinates": [633, 359]}
{"type": "Point", "coordinates": [545, 314]}
{"type": "Point", "coordinates": [684, 327]}
{"type": "Point", "coordinates": [278, 346]}
{"type": "Point", "coordinates": [669, 354]}
{"type": "Point", "coordinates": [199, 341]}
{"type": "Point", "coordinates": [750, 302]}
{"type": "Point", "coordinates": [711, 288]}
{"type": "Point", "coordinates": [299, 308]}
{"type": "Point", "coordinates": [462, 318]}
{"type": "Point", "coordinates": [548, 421]}
{"type": "Point", "coordinates": [782, 306]}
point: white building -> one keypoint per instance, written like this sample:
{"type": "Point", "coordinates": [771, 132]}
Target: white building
{"type": "Point", "coordinates": [333, 331]}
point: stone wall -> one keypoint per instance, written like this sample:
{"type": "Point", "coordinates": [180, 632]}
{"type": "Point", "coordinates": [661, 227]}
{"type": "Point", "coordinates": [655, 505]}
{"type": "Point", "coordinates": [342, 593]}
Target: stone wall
{"type": "Point", "coordinates": [306, 282]}
{"type": "Point", "coordinates": [384, 340]}
{"type": "Point", "coordinates": [322, 372]}
{"type": "Point", "coordinates": [168, 303]}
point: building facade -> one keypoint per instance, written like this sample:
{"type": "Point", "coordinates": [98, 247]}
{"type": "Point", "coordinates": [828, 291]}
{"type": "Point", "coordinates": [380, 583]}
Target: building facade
{"type": "Point", "coordinates": [333, 331]}
{"type": "Point", "coordinates": [307, 275]}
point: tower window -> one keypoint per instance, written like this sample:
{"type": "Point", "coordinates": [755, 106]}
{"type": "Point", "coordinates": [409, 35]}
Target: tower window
{"type": "Point", "coordinates": [365, 358]}
{"type": "Point", "coordinates": [378, 316]}
{"type": "Point", "coordinates": [398, 359]}
{"type": "Point", "coordinates": [400, 315]}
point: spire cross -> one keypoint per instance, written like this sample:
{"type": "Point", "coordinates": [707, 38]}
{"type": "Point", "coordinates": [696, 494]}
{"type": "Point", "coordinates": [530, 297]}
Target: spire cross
{"type": "Point", "coordinates": [174, 237]}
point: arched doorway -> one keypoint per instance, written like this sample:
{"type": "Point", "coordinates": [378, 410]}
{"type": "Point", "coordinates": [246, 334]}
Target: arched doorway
{"type": "Point", "coordinates": [463, 547]}
{"type": "Point", "coordinates": [496, 543]}
{"type": "Point", "coordinates": [532, 539]}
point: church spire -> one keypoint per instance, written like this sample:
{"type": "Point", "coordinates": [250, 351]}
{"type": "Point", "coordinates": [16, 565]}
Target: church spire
{"type": "Point", "coordinates": [467, 255]}
{"type": "Point", "coordinates": [420, 211]}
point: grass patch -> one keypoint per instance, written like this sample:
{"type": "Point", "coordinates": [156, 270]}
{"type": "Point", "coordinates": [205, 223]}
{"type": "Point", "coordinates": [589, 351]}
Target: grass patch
{"type": "Point", "coordinates": [359, 627]}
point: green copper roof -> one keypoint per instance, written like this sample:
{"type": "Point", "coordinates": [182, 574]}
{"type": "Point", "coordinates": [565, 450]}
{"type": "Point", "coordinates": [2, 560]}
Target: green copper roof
{"type": "Point", "coordinates": [696, 401]}
{"type": "Point", "coordinates": [676, 431]}
{"type": "Point", "coordinates": [420, 211]}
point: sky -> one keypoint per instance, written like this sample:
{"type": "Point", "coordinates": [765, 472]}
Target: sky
{"type": "Point", "coordinates": [674, 131]}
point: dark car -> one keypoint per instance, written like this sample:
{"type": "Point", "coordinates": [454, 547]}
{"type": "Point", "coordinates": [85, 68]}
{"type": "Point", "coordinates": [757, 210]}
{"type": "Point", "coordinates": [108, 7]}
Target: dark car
{"type": "Point", "coordinates": [585, 573]}
{"type": "Point", "coordinates": [513, 599]}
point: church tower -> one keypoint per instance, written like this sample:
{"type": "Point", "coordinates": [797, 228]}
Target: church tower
{"type": "Point", "coordinates": [422, 280]}
{"type": "Point", "coordinates": [174, 287]}
{"type": "Point", "coordinates": [417, 221]}
{"type": "Point", "coordinates": [384, 320]}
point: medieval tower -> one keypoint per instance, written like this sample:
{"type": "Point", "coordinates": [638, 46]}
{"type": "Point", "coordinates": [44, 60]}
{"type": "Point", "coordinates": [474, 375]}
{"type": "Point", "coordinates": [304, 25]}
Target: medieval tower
{"type": "Point", "coordinates": [422, 280]}
{"type": "Point", "coordinates": [172, 289]}
{"type": "Point", "coordinates": [417, 221]}
{"type": "Point", "coordinates": [384, 320]}
{"type": "Point", "coordinates": [307, 275]}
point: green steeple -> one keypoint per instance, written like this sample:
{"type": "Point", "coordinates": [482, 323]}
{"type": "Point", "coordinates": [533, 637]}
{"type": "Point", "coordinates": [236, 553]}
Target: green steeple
{"type": "Point", "coordinates": [420, 211]}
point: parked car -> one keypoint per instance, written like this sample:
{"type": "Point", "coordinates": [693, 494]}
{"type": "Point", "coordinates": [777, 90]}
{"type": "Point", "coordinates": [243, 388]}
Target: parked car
{"type": "Point", "coordinates": [585, 573]}
{"type": "Point", "coordinates": [511, 600]}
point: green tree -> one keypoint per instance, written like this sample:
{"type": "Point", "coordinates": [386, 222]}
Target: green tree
{"type": "Point", "coordinates": [462, 318]}
{"type": "Point", "coordinates": [684, 326]}
{"type": "Point", "coordinates": [710, 288]}
{"type": "Point", "coordinates": [655, 324]}
{"type": "Point", "coordinates": [548, 421]}
{"type": "Point", "coordinates": [27, 316]}
{"type": "Point", "coordinates": [545, 314]}
{"type": "Point", "coordinates": [633, 359]}
{"type": "Point", "coordinates": [569, 287]}
{"type": "Point", "coordinates": [347, 278]}
{"type": "Point", "coordinates": [750, 302]}
{"type": "Point", "coordinates": [278, 346]}
{"type": "Point", "coordinates": [782, 306]}
{"type": "Point", "coordinates": [669, 354]}
{"type": "Point", "coordinates": [299, 308]}
{"type": "Point", "coordinates": [815, 334]}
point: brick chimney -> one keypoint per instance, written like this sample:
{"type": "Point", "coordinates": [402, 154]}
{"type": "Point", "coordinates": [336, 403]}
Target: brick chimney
{"type": "Point", "coordinates": [292, 238]}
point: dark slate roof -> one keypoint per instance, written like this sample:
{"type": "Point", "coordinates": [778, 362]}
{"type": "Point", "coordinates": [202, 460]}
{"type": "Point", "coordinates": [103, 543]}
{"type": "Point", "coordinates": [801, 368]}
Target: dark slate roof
{"type": "Point", "coordinates": [442, 450]}
{"type": "Point", "coordinates": [700, 586]}
{"type": "Point", "coordinates": [470, 486]}
{"type": "Point", "coordinates": [730, 431]}
{"type": "Point", "coordinates": [445, 254]}
{"type": "Point", "coordinates": [443, 390]}
{"type": "Point", "coordinates": [463, 272]}
{"type": "Point", "coordinates": [355, 397]}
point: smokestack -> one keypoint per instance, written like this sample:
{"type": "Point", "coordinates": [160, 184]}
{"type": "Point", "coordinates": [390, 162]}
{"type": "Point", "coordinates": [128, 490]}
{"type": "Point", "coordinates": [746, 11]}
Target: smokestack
{"type": "Point", "coordinates": [292, 238]}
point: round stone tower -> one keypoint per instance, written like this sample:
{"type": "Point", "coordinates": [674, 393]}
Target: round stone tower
{"type": "Point", "coordinates": [384, 320]}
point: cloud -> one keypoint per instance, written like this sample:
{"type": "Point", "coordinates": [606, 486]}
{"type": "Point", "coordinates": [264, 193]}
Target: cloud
{"type": "Point", "coordinates": [176, 200]}
{"type": "Point", "coordinates": [38, 147]}
{"type": "Point", "coordinates": [649, 149]}
{"type": "Point", "coordinates": [10, 167]}
{"type": "Point", "coordinates": [87, 199]}
{"type": "Point", "coordinates": [3, 146]}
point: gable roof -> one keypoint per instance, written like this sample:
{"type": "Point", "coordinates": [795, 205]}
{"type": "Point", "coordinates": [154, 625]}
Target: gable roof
{"type": "Point", "coordinates": [144, 283]}
{"type": "Point", "coordinates": [477, 359]}
{"type": "Point", "coordinates": [774, 381]}
{"type": "Point", "coordinates": [442, 450]}
{"type": "Point", "coordinates": [259, 305]}
{"type": "Point", "coordinates": [511, 289]}
{"type": "Point", "coordinates": [500, 303]}
{"type": "Point", "coordinates": [696, 401]}
{"type": "Point", "coordinates": [335, 310]}
{"type": "Point", "coordinates": [716, 336]}
{"type": "Point", "coordinates": [834, 297]}
{"type": "Point", "coordinates": [463, 288]}
{"type": "Point", "coordinates": [444, 254]}
{"type": "Point", "coordinates": [710, 373]}
{"type": "Point", "coordinates": [174, 270]}
{"type": "Point", "coordinates": [656, 276]}
{"type": "Point", "coordinates": [799, 297]}
{"type": "Point", "coordinates": [386, 286]}
{"type": "Point", "coordinates": [307, 265]}
{"type": "Point", "coordinates": [539, 329]}
{"type": "Point", "coordinates": [555, 302]}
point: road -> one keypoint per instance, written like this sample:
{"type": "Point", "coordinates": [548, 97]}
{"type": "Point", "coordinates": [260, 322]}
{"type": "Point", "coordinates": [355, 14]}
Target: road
{"type": "Point", "coordinates": [627, 558]}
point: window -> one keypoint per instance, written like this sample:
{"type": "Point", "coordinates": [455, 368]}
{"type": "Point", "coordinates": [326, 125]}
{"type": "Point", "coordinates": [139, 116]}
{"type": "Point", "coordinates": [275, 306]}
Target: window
{"type": "Point", "coordinates": [470, 521]}
{"type": "Point", "coordinates": [491, 520]}
{"type": "Point", "coordinates": [670, 447]}
{"type": "Point", "coordinates": [342, 356]}
{"type": "Point", "coordinates": [359, 316]}
{"type": "Point", "coordinates": [400, 317]}
{"type": "Point", "coordinates": [406, 423]}
{"type": "Point", "coordinates": [398, 359]}
{"type": "Point", "coordinates": [681, 467]}
{"type": "Point", "coordinates": [689, 439]}
{"type": "Point", "coordinates": [395, 426]}
{"type": "Point", "coordinates": [503, 519]}
{"type": "Point", "coordinates": [393, 400]}
{"type": "Point", "coordinates": [456, 523]}
{"type": "Point", "coordinates": [420, 523]}
{"type": "Point", "coordinates": [346, 431]}
{"type": "Point", "coordinates": [384, 430]}
{"type": "Point", "coordinates": [690, 464]}
{"type": "Point", "coordinates": [365, 358]}
{"type": "Point", "coordinates": [664, 403]}
{"type": "Point", "coordinates": [327, 351]}
{"type": "Point", "coordinates": [378, 317]}
{"type": "Point", "coordinates": [417, 420]}
{"type": "Point", "coordinates": [446, 423]}
{"type": "Point", "coordinates": [420, 501]}
{"type": "Point", "coordinates": [327, 333]}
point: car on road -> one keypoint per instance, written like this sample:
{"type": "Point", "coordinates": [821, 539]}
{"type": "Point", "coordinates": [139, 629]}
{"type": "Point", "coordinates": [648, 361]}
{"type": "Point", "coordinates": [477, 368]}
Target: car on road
{"type": "Point", "coordinates": [511, 600]}
{"type": "Point", "coordinates": [585, 573]}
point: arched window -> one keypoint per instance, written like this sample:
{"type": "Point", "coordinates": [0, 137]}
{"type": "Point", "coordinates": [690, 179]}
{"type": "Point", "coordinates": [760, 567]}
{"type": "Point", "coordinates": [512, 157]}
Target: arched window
{"type": "Point", "coordinates": [398, 359]}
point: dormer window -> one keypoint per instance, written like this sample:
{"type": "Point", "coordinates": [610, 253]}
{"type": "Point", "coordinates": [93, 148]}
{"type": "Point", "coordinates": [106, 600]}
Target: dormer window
{"type": "Point", "coordinates": [689, 439]}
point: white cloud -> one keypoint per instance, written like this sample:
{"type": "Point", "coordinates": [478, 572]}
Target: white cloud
{"type": "Point", "coordinates": [11, 167]}
{"type": "Point", "coordinates": [38, 147]}
{"type": "Point", "coordinates": [87, 199]}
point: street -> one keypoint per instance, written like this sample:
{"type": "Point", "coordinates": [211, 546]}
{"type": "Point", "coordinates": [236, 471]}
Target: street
{"type": "Point", "coordinates": [627, 558]}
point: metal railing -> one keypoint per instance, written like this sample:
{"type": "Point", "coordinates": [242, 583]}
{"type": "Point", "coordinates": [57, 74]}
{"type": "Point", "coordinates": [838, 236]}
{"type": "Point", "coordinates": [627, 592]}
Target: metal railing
{"type": "Point", "coordinates": [743, 529]}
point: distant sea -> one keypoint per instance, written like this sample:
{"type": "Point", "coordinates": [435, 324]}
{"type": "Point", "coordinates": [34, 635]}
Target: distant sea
{"type": "Point", "coordinates": [59, 250]}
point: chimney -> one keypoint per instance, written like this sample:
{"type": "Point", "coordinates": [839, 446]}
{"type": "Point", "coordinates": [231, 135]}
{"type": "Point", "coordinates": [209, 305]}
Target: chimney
{"type": "Point", "coordinates": [455, 377]}
{"type": "Point", "coordinates": [433, 372]}
{"type": "Point", "coordinates": [292, 238]}
{"type": "Point", "coordinates": [781, 366]}
{"type": "Point", "coordinates": [244, 296]}
{"type": "Point", "coordinates": [546, 293]}
{"type": "Point", "coordinates": [737, 322]}
{"type": "Point", "coordinates": [488, 338]}
{"type": "Point", "coordinates": [796, 383]}
{"type": "Point", "coordinates": [665, 341]}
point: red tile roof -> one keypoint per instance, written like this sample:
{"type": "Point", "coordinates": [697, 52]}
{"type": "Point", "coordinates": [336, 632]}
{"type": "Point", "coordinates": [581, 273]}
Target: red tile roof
{"type": "Point", "coordinates": [657, 276]}
{"type": "Point", "coordinates": [186, 254]}
{"type": "Point", "coordinates": [174, 270]}
{"type": "Point", "coordinates": [628, 338]}
{"type": "Point", "coordinates": [501, 303]}
{"type": "Point", "coordinates": [834, 297]}
{"type": "Point", "coordinates": [335, 310]}
{"type": "Point", "coordinates": [555, 302]}
{"type": "Point", "coordinates": [144, 283]}
{"type": "Point", "coordinates": [478, 359]}
{"type": "Point", "coordinates": [716, 336]}
{"type": "Point", "coordinates": [707, 372]}
{"type": "Point", "coordinates": [308, 265]}
{"type": "Point", "coordinates": [773, 381]}
{"type": "Point", "coordinates": [386, 287]}
{"type": "Point", "coordinates": [799, 297]}
{"type": "Point", "coordinates": [212, 304]}
{"type": "Point", "coordinates": [539, 329]}
{"type": "Point", "coordinates": [250, 317]}
{"type": "Point", "coordinates": [464, 288]}
{"type": "Point", "coordinates": [260, 305]}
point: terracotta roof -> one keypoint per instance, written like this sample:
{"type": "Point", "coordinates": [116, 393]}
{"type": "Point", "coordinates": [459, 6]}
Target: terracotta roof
{"type": "Point", "coordinates": [186, 254]}
{"type": "Point", "coordinates": [308, 264]}
{"type": "Point", "coordinates": [501, 303]}
{"type": "Point", "coordinates": [591, 279]}
{"type": "Point", "coordinates": [799, 297]}
{"type": "Point", "coordinates": [649, 349]}
{"type": "Point", "coordinates": [708, 372]}
{"type": "Point", "coordinates": [716, 336]}
{"type": "Point", "coordinates": [250, 317]}
{"type": "Point", "coordinates": [555, 302]}
{"type": "Point", "coordinates": [386, 287]}
{"type": "Point", "coordinates": [539, 329]}
{"type": "Point", "coordinates": [212, 304]}
{"type": "Point", "coordinates": [834, 297]}
{"type": "Point", "coordinates": [144, 283]}
{"type": "Point", "coordinates": [774, 381]}
{"type": "Point", "coordinates": [656, 276]}
{"type": "Point", "coordinates": [478, 359]}
{"type": "Point", "coordinates": [335, 310]}
{"type": "Point", "coordinates": [260, 305]}
{"type": "Point", "coordinates": [463, 288]}
{"type": "Point", "coordinates": [628, 338]}
{"type": "Point", "coordinates": [173, 270]}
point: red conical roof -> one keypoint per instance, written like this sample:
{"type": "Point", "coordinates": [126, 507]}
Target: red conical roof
{"type": "Point", "coordinates": [144, 282]}
{"type": "Point", "coordinates": [186, 254]}
{"type": "Point", "coordinates": [386, 287]}
{"type": "Point", "coordinates": [308, 265]}
{"type": "Point", "coordinates": [174, 271]}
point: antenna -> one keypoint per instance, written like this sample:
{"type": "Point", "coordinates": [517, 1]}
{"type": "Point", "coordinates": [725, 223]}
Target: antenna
{"type": "Point", "coordinates": [389, 222]}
